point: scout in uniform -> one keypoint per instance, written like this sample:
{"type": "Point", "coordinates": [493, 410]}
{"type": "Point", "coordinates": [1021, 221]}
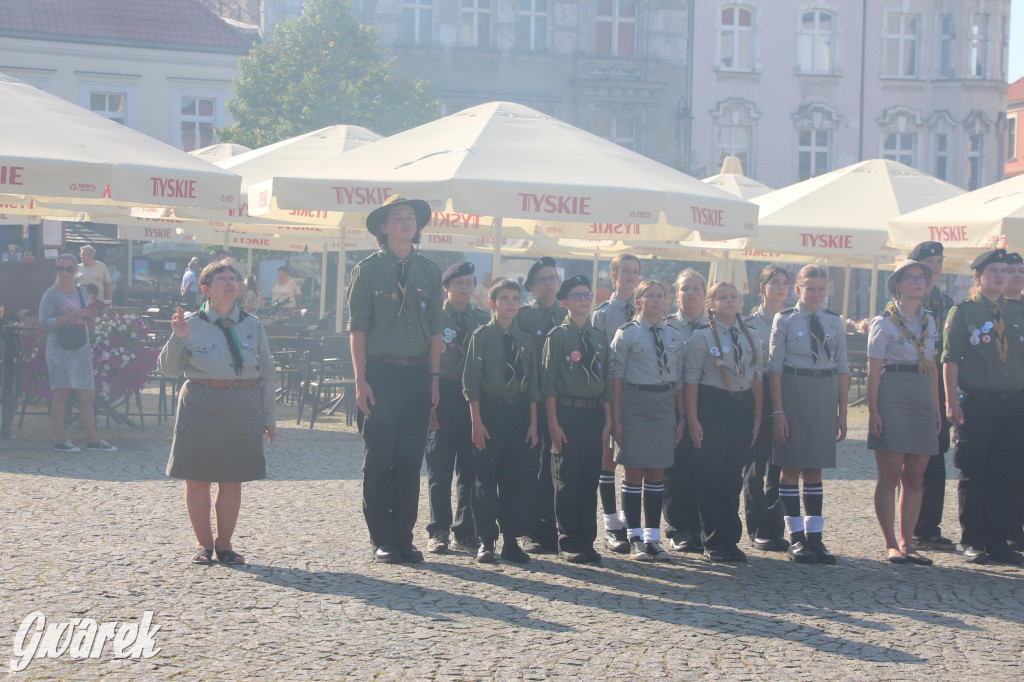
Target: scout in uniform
{"type": "Point", "coordinates": [933, 489]}
{"type": "Point", "coordinates": [763, 509]}
{"type": "Point", "coordinates": [450, 442]}
{"type": "Point", "coordinates": [500, 383]}
{"type": "Point", "coordinates": [538, 318]}
{"type": "Point", "coordinates": [682, 517]}
{"type": "Point", "coordinates": [984, 374]}
{"type": "Point", "coordinates": [394, 304]}
{"type": "Point", "coordinates": [609, 316]}
{"type": "Point", "coordinates": [647, 384]}
{"type": "Point", "coordinates": [577, 397]}
{"type": "Point", "coordinates": [810, 379]}
{"type": "Point", "coordinates": [722, 378]}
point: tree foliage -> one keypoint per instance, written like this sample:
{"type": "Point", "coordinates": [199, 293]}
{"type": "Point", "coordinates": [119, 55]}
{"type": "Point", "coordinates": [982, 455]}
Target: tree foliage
{"type": "Point", "coordinates": [322, 68]}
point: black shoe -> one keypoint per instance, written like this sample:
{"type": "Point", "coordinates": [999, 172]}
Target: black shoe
{"type": "Point", "coordinates": [530, 546]}
{"type": "Point", "coordinates": [684, 541]}
{"type": "Point", "coordinates": [572, 557]}
{"type": "Point", "coordinates": [485, 553]}
{"type": "Point", "coordinates": [818, 547]}
{"type": "Point", "coordinates": [716, 554]}
{"type": "Point", "coordinates": [1015, 545]}
{"type": "Point", "coordinates": [438, 544]}
{"type": "Point", "coordinates": [657, 552]}
{"type": "Point", "coordinates": [763, 544]}
{"type": "Point", "coordinates": [736, 554]}
{"type": "Point", "coordinates": [800, 554]}
{"type": "Point", "coordinates": [935, 542]}
{"type": "Point", "coordinates": [387, 554]}
{"type": "Point", "coordinates": [1005, 555]}
{"type": "Point", "coordinates": [511, 550]}
{"type": "Point", "coordinates": [617, 541]}
{"type": "Point", "coordinates": [638, 549]}
{"type": "Point", "coordinates": [975, 555]}
{"type": "Point", "coordinates": [411, 555]}
{"type": "Point", "coordinates": [470, 543]}
{"type": "Point", "coordinates": [592, 555]}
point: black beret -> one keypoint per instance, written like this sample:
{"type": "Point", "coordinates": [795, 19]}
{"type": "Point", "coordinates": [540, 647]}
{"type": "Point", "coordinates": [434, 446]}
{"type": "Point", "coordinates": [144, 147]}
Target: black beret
{"type": "Point", "coordinates": [925, 250]}
{"type": "Point", "coordinates": [570, 284]}
{"type": "Point", "coordinates": [545, 262]}
{"type": "Point", "coordinates": [993, 256]}
{"type": "Point", "coordinates": [463, 267]}
{"type": "Point", "coordinates": [1014, 259]}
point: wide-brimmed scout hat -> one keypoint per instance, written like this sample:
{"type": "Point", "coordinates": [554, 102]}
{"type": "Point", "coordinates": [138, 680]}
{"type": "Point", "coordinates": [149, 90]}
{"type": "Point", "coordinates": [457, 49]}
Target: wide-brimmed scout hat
{"type": "Point", "coordinates": [379, 215]}
{"type": "Point", "coordinates": [901, 269]}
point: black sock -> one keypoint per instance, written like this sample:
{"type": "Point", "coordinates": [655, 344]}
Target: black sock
{"type": "Point", "coordinates": [654, 495]}
{"type": "Point", "coordinates": [813, 494]}
{"type": "Point", "coordinates": [790, 497]}
{"type": "Point", "coordinates": [631, 501]}
{"type": "Point", "coordinates": [607, 490]}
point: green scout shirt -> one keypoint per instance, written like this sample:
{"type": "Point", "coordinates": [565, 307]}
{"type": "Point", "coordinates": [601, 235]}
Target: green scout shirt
{"type": "Point", "coordinates": [453, 357]}
{"type": "Point", "coordinates": [970, 341]}
{"type": "Point", "coordinates": [375, 304]}
{"type": "Point", "coordinates": [485, 364]}
{"type": "Point", "coordinates": [563, 373]}
{"type": "Point", "coordinates": [538, 320]}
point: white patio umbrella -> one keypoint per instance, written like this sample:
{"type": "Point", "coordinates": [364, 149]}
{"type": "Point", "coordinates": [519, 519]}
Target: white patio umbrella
{"type": "Point", "coordinates": [219, 151]}
{"type": "Point", "coordinates": [733, 181]}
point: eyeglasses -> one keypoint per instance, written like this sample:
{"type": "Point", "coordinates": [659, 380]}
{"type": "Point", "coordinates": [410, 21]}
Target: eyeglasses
{"type": "Point", "coordinates": [916, 279]}
{"type": "Point", "coordinates": [68, 268]}
{"type": "Point", "coordinates": [582, 296]}
{"type": "Point", "coordinates": [225, 280]}
{"type": "Point", "coordinates": [550, 279]}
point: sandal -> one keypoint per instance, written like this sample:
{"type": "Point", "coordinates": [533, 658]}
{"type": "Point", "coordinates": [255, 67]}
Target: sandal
{"type": "Point", "coordinates": [203, 557]}
{"type": "Point", "coordinates": [919, 559]}
{"type": "Point", "coordinates": [228, 556]}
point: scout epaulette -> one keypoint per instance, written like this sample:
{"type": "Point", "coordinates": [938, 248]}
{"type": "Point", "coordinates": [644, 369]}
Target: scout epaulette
{"type": "Point", "coordinates": [830, 312]}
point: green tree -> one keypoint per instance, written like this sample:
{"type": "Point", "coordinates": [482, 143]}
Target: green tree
{"type": "Point", "coordinates": [323, 68]}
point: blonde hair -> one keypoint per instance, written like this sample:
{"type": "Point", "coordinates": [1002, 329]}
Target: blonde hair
{"type": "Point", "coordinates": [690, 272]}
{"type": "Point", "coordinates": [739, 320]}
{"type": "Point", "coordinates": [641, 290]}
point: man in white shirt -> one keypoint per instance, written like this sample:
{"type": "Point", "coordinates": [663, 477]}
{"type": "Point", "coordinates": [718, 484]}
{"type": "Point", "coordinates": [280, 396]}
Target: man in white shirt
{"type": "Point", "coordinates": [92, 271]}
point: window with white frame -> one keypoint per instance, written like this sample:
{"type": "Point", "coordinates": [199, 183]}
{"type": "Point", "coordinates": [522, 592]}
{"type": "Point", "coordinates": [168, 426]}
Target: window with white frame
{"type": "Point", "coordinates": [1011, 137]}
{"type": "Point", "coordinates": [417, 21]}
{"type": "Point", "coordinates": [814, 41]}
{"type": "Point", "coordinates": [978, 45]}
{"type": "Point", "coordinates": [619, 129]}
{"type": "Point", "coordinates": [899, 139]}
{"type": "Point", "coordinates": [815, 152]}
{"type": "Point", "coordinates": [736, 39]}
{"type": "Point", "coordinates": [940, 145]}
{"type": "Point", "coordinates": [616, 28]}
{"type": "Point", "coordinates": [735, 121]}
{"type": "Point", "coordinates": [112, 105]}
{"type": "Point", "coordinates": [975, 158]}
{"type": "Point", "coordinates": [901, 36]}
{"type": "Point", "coordinates": [533, 25]}
{"type": "Point", "coordinates": [196, 120]}
{"type": "Point", "coordinates": [900, 147]}
{"type": "Point", "coordinates": [476, 23]}
{"type": "Point", "coordinates": [947, 46]}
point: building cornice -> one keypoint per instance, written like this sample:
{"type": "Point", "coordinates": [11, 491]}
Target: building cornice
{"type": "Point", "coordinates": [146, 44]}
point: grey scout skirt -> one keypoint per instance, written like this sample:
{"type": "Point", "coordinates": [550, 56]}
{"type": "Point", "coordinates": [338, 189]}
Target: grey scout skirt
{"type": "Point", "coordinates": [218, 435]}
{"type": "Point", "coordinates": [648, 428]}
{"type": "Point", "coordinates": [811, 405]}
{"type": "Point", "coordinates": [906, 401]}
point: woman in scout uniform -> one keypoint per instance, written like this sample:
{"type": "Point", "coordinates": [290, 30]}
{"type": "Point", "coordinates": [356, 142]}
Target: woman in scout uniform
{"type": "Point", "coordinates": [500, 383]}
{"type": "Point", "coordinates": [903, 422]}
{"type": "Point", "coordinates": [646, 371]}
{"type": "Point", "coordinates": [1014, 277]}
{"type": "Point", "coordinates": [763, 509]}
{"type": "Point", "coordinates": [224, 408]}
{"type": "Point", "coordinates": [722, 378]}
{"type": "Point", "coordinates": [577, 398]}
{"type": "Point", "coordinates": [681, 515]}
{"type": "Point", "coordinates": [609, 316]}
{"type": "Point", "coordinates": [537, 318]}
{"type": "Point", "coordinates": [983, 370]}
{"type": "Point", "coordinates": [450, 443]}
{"type": "Point", "coordinates": [810, 380]}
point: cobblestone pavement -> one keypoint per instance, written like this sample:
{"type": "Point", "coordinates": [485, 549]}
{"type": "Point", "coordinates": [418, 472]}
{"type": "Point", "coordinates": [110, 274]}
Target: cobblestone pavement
{"type": "Point", "coordinates": [105, 536]}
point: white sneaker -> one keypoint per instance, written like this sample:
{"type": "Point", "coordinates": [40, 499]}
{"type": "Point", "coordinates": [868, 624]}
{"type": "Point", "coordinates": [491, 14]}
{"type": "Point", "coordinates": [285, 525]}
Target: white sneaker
{"type": "Point", "coordinates": [66, 446]}
{"type": "Point", "coordinates": [101, 446]}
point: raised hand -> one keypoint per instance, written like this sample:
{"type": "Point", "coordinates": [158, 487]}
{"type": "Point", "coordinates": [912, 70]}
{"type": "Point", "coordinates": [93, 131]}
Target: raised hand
{"type": "Point", "coordinates": [179, 325]}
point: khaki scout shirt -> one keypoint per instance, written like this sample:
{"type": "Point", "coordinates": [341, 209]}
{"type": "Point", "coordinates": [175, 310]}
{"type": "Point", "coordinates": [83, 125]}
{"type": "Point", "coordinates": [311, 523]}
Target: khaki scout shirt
{"type": "Point", "coordinates": [714, 364]}
{"type": "Point", "coordinates": [374, 301]}
{"type": "Point", "coordinates": [790, 344]}
{"type": "Point", "coordinates": [888, 343]}
{"type": "Point", "coordinates": [453, 358]}
{"type": "Point", "coordinates": [205, 354]}
{"type": "Point", "coordinates": [684, 325]}
{"type": "Point", "coordinates": [563, 373]}
{"type": "Point", "coordinates": [485, 364]}
{"type": "Point", "coordinates": [611, 315]}
{"type": "Point", "coordinates": [970, 343]}
{"type": "Point", "coordinates": [761, 322]}
{"type": "Point", "coordinates": [534, 318]}
{"type": "Point", "coordinates": [635, 355]}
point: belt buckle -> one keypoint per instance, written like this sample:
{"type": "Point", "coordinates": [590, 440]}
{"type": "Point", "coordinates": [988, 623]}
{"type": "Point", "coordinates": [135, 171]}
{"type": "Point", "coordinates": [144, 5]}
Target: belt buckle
{"type": "Point", "coordinates": [236, 383]}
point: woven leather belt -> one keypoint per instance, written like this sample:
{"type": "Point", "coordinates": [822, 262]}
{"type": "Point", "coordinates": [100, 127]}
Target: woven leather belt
{"type": "Point", "coordinates": [504, 399]}
{"type": "Point", "coordinates": [910, 369]}
{"type": "Point", "coordinates": [224, 383]}
{"type": "Point", "coordinates": [579, 402]}
{"type": "Point", "coordinates": [816, 373]}
{"type": "Point", "coordinates": [652, 388]}
{"type": "Point", "coordinates": [395, 360]}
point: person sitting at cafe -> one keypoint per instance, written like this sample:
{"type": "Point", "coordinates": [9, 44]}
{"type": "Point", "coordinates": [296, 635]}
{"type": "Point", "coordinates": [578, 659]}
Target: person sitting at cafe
{"type": "Point", "coordinates": [286, 291]}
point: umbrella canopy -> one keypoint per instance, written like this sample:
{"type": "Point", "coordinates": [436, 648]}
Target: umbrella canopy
{"type": "Point", "coordinates": [987, 218]}
{"type": "Point", "coordinates": [508, 161]}
{"type": "Point", "coordinates": [738, 185]}
{"type": "Point", "coordinates": [219, 151]}
{"type": "Point", "coordinates": [61, 151]}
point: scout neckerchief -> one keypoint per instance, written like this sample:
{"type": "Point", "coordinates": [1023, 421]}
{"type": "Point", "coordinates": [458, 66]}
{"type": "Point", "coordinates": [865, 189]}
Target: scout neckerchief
{"type": "Point", "coordinates": [513, 362]}
{"type": "Point", "coordinates": [737, 350]}
{"type": "Point", "coordinates": [818, 338]}
{"type": "Point", "coordinates": [228, 327]}
{"type": "Point", "coordinates": [403, 277]}
{"type": "Point", "coordinates": [588, 356]}
{"type": "Point", "coordinates": [660, 347]}
{"type": "Point", "coordinates": [462, 327]}
{"type": "Point", "coordinates": [998, 324]}
{"type": "Point", "coordinates": [630, 311]}
{"type": "Point", "coordinates": [896, 315]}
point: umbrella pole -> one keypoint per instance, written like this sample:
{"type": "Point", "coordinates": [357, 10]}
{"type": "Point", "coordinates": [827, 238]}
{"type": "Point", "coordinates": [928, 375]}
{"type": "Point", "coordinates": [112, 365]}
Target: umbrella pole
{"type": "Point", "coordinates": [227, 238]}
{"type": "Point", "coordinates": [248, 262]}
{"type": "Point", "coordinates": [323, 280]}
{"type": "Point", "coordinates": [847, 276]}
{"type": "Point", "coordinates": [131, 264]}
{"type": "Point", "coordinates": [496, 254]}
{"type": "Point", "coordinates": [874, 287]}
{"type": "Point", "coordinates": [341, 281]}
{"type": "Point", "coordinates": [593, 279]}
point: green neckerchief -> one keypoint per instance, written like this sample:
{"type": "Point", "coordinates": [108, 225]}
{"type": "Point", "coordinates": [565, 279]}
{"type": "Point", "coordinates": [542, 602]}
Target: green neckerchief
{"type": "Point", "coordinates": [229, 333]}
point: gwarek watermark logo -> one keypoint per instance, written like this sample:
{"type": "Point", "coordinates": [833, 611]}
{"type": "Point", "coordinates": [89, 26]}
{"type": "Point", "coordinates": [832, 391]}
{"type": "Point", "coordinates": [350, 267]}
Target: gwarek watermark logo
{"type": "Point", "coordinates": [81, 638]}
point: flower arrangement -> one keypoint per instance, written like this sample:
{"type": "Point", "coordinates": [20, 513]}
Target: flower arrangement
{"type": "Point", "coordinates": [856, 326]}
{"type": "Point", "coordinates": [120, 357]}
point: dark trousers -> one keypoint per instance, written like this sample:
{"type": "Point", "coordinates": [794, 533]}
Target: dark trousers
{"type": "Point", "coordinates": [933, 489]}
{"type": "Point", "coordinates": [761, 504]}
{"type": "Point", "coordinates": [680, 503]}
{"type": "Point", "coordinates": [450, 450]}
{"type": "Point", "coordinates": [542, 524]}
{"type": "Point", "coordinates": [728, 422]}
{"type": "Point", "coordinates": [504, 471]}
{"type": "Point", "coordinates": [988, 454]}
{"type": "Point", "coordinates": [394, 435]}
{"type": "Point", "coordinates": [575, 472]}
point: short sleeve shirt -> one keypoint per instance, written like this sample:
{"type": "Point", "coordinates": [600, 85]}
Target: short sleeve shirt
{"type": "Point", "coordinates": [635, 356]}
{"type": "Point", "coordinates": [717, 364]}
{"type": "Point", "coordinates": [887, 342]}
{"type": "Point", "coordinates": [791, 341]}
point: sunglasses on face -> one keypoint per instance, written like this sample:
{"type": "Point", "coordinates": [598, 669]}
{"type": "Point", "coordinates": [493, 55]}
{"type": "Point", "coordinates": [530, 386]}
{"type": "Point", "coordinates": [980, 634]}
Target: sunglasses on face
{"type": "Point", "coordinates": [68, 268]}
{"type": "Point", "coordinates": [581, 296]}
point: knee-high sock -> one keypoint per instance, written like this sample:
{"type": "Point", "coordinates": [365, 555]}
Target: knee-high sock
{"type": "Point", "coordinates": [813, 497]}
{"type": "Point", "coordinates": [654, 495]}
{"type": "Point", "coordinates": [631, 504]}
{"type": "Point", "coordinates": [790, 497]}
{"type": "Point", "coordinates": [606, 487]}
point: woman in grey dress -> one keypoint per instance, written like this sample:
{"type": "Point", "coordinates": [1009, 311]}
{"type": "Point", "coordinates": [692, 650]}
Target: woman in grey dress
{"type": "Point", "coordinates": [646, 369]}
{"type": "Point", "coordinates": [810, 379]}
{"type": "Point", "coordinates": [903, 422]}
{"type": "Point", "coordinates": [64, 305]}
{"type": "Point", "coordinates": [224, 409]}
